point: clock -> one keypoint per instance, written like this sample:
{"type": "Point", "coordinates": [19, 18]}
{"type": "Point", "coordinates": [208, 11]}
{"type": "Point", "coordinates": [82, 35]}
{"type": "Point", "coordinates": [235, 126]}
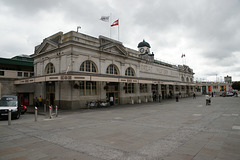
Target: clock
{"type": "Point", "coordinates": [142, 50]}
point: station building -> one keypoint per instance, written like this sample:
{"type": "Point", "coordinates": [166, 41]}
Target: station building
{"type": "Point", "coordinates": [71, 69]}
{"type": "Point", "coordinates": [18, 67]}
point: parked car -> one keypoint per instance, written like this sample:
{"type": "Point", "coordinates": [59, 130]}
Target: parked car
{"type": "Point", "coordinates": [10, 102]}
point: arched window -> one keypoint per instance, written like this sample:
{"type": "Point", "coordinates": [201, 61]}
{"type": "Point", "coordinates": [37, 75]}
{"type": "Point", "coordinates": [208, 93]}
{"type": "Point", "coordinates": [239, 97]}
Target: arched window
{"type": "Point", "coordinates": [88, 66]}
{"type": "Point", "coordinates": [50, 68]}
{"type": "Point", "coordinates": [182, 79]}
{"type": "Point", "coordinates": [187, 79]}
{"type": "Point", "coordinates": [112, 69]}
{"type": "Point", "coordinates": [129, 72]}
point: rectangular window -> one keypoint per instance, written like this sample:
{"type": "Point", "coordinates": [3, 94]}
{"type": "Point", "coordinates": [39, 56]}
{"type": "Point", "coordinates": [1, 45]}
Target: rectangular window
{"type": "Point", "coordinates": [31, 74]}
{"type": "Point", "coordinates": [81, 86]}
{"type": "Point", "coordinates": [25, 74]}
{"type": "Point", "coordinates": [129, 87]}
{"type": "Point", "coordinates": [143, 88]}
{"type": "Point", "coordinates": [19, 74]}
{"type": "Point", "coordinates": [88, 88]}
{"type": "Point", "coordinates": [1, 73]}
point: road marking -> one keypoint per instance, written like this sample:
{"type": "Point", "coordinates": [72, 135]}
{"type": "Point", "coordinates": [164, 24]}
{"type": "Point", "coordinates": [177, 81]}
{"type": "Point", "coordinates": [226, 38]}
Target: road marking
{"type": "Point", "coordinates": [234, 114]}
{"type": "Point", "coordinates": [200, 105]}
{"type": "Point", "coordinates": [236, 127]}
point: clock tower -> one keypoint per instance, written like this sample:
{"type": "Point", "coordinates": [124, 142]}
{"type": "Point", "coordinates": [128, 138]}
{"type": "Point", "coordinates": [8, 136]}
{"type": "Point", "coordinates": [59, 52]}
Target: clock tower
{"type": "Point", "coordinates": [144, 47]}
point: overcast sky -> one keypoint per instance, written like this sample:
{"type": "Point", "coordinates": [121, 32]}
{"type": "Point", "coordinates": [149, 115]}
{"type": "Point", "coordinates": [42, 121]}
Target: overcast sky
{"type": "Point", "coordinates": [206, 31]}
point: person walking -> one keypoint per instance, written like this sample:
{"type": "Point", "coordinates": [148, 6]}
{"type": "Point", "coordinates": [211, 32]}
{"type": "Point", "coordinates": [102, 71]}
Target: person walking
{"type": "Point", "coordinates": [40, 101]}
{"type": "Point", "coordinates": [176, 97]}
{"type": "Point", "coordinates": [159, 97]}
{"type": "Point", "coordinates": [194, 95]}
{"type": "Point", "coordinates": [111, 100]}
{"type": "Point", "coordinates": [208, 99]}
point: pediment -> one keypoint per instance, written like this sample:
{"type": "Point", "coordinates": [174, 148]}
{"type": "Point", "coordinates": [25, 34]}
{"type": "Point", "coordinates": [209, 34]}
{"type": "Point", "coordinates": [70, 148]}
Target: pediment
{"type": "Point", "coordinates": [112, 46]}
{"type": "Point", "coordinates": [47, 45]}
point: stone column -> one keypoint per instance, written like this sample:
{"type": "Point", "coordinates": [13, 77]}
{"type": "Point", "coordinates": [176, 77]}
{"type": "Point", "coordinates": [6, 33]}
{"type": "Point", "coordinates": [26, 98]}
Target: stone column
{"type": "Point", "coordinates": [167, 90]}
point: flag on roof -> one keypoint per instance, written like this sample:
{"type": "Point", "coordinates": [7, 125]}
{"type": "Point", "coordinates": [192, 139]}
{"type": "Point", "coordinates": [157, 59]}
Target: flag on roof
{"type": "Point", "coordinates": [115, 23]}
{"type": "Point", "coordinates": [105, 18]}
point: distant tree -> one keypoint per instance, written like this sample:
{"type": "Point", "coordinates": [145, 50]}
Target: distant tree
{"type": "Point", "coordinates": [236, 85]}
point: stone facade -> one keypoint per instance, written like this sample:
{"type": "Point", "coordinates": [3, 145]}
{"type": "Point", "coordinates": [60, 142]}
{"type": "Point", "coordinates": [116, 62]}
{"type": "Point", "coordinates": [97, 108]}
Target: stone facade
{"type": "Point", "coordinates": [105, 63]}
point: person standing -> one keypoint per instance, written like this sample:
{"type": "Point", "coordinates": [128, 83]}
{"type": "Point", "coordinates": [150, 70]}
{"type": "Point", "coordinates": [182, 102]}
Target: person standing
{"type": "Point", "coordinates": [40, 101]}
{"type": "Point", "coordinates": [159, 97]}
{"type": "Point", "coordinates": [111, 100]}
{"type": "Point", "coordinates": [194, 95]}
{"type": "Point", "coordinates": [176, 97]}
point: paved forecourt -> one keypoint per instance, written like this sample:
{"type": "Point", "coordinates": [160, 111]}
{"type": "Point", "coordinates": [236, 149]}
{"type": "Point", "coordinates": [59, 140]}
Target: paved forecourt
{"type": "Point", "coordinates": [170, 130]}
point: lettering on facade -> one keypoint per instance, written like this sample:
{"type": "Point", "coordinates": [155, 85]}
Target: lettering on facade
{"type": "Point", "coordinates": [53, 77]}
{"type": "Point", "coordinates": [66, 77]}
{"type": "Point", "coordinates": [129, 81]}
{"type": "Point", "coordinates": [135, 81]}
{"type": "Point", "coordinates": [123, 80]}
{"type": "Point", "coordinates": [150, 69]}
{"type": "Point", "coordinates": [79, 77]}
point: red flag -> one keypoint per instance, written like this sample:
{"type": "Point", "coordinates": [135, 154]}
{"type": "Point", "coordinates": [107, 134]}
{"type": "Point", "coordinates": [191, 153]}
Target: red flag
{"type": "Point", "coordinates": [115, 23]}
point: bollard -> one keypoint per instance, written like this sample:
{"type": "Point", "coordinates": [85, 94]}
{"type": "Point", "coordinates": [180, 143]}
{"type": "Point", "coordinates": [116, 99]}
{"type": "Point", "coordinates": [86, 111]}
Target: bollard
{"type": "Point", "coordinates": [50, 112]}
{"type": "Point", "coordinates": [36, 114]}
{"type": "Point", "coordinates": [56, 111]}
{"type": "Point", "coordinates": [9, 116]}
{"type": "Point", "coordinates": [45, 108]}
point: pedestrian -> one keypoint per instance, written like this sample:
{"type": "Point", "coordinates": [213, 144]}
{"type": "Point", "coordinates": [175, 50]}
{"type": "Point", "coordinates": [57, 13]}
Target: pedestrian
{"type": "Point", "coordinates": [36, 102]}
{"type": "Point", "coordinates": [212, 94]}
{"type": "Point", "coordinates": [111, 100]}
{"type": "Point", "coordinates": [176, 97]}
{"type": "Point", "coordinates": [40, 101]}
{"type": "Point", "coordinates": [208, 99]}
{"type": "Point", "coordinates": [159, 97]}
{"type": "Point", "coordinates": [154, 97]}
{"type": "Point", "coordinates": [194, 95]}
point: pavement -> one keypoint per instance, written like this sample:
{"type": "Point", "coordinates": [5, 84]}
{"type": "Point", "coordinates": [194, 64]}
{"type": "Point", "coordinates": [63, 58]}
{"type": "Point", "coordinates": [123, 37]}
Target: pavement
{"type": "Point", "coordinates": [170, 130]}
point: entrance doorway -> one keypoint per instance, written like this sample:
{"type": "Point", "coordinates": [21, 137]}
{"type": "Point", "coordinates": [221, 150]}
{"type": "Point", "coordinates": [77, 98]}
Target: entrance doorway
{"type": "Point", "coordinates": [154, 91]}
{"type": "Point", "coordinates": [113, 91]}
{"type": "Point", "coordinates": [50, 93]}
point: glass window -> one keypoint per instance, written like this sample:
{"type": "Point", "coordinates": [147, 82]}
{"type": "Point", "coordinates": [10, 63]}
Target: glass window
{"type": "Point", "coordinates": [88, 66]}
{"type": "Point", "coordinates": [112, 69]}
{"type": "Point", "coordinates": [25, 74]}
{"type": "Point", "coordinates": [50, 68]}
{"type": "Point", "coordinates": [143, 88]}
{"type": "Point", "coordinates": [19, 74]}
{"type": "Point", "coordinates": [88, 88]}
{"type": "Point", "coordinates": [81, 86]}
{"type": "Point", "coordinates": [1, 73]}
{"type": "Point", "coordinates": [129, 87]}
{"type": "Point", "coordinates": [129, 72]}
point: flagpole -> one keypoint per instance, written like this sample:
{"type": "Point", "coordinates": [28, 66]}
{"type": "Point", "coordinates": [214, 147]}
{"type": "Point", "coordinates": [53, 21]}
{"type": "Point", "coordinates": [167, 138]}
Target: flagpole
{"type": "Point", "coordinates": [118, 29]}
{"type": "Point", "coordinates": [110, 25]}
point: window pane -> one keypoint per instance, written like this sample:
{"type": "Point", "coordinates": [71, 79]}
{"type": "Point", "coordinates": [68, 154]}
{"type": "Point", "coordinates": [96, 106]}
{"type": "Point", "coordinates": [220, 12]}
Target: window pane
{"type": "Point", "coordinates": [19, 74]}
{"type": "Point", "coordinates": [25, 74]}
{"type": "Point", "coordinates": [87, 66]}
{"type": "Point", "coordinates": [94, 88]}
{"type": "Point", "coordinates": [81, 86]}
{"type": "Point", "coordinates": [82, 67]}
{"type": "Point", "coordinates": [88, 88]}
{"type": "Point", "coordinates": [93, 68]}
{"type": "Point", "coordinates": [2, 73]}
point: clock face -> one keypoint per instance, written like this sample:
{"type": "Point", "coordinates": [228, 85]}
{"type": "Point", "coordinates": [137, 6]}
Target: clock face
{"type": "Point", "coordinates": [142, 50]}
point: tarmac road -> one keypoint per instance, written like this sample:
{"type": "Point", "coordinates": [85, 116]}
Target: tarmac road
{"type": "Point", "coordinates": [170, 130]}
